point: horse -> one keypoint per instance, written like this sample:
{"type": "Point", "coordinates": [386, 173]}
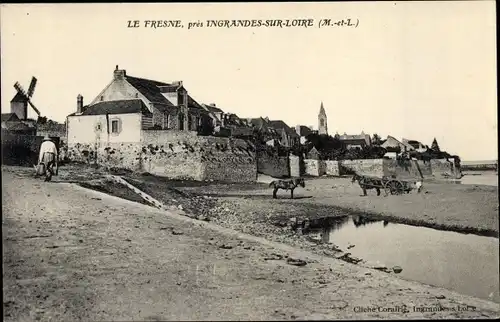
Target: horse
{"type": "Point", "coordinates": [289, 184]}
{"type": "Point", "coordinates": [368, 183]}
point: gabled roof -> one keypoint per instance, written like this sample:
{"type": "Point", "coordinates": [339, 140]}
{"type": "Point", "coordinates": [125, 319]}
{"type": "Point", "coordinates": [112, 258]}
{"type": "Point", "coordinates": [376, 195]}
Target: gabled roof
{"type": "Point", "coordinates": [193, 104]}
{"type": "Point", "coordinates": [19, 98]}
{"type": "Point", "coordinates": [116, 107]}
{"type": "Point", "coordinates": [212, 108]}
{"type": "Point", "coordinates": [280, 125]}
{"type": "Point", "coordinates": [10, 117]}
{"type": "Point", "coordinates": [149, 88]}
{"type": "Point", "coordinates": [259, 123]}
{"type": "Point", "coordinates": [233, 119]}
{"type": "Point", "coordinates": [392, 142]}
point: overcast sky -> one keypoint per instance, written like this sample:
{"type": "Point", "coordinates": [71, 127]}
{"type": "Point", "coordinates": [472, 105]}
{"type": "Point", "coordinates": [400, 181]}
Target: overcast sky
{"type": "Point", "coordinates": [415, 70]}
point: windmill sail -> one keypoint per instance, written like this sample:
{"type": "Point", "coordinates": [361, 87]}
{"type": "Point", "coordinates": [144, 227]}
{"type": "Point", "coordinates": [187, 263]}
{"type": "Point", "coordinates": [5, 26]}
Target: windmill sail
{"type": "Point", "coordinates": [33, 106]}
{"type": "Point", "coordinates": [18, 87]}
{"type": "Point", "coordinates": [31, 89]}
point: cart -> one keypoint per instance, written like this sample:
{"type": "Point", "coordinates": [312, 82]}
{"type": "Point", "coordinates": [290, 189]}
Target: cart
{"type": "Point", "coordinates": [390, 185]}
{"type": "Point", "coordinates": [396, 187]}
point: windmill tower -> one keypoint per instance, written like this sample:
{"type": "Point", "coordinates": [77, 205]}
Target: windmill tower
{"type": "Point", "coordinates": [19, 104]}
{"type": "Point", "coordinates": [322, 121]}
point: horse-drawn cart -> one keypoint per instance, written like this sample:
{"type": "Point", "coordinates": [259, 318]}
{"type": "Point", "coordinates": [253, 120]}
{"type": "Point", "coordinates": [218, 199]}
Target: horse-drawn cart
{"type": "Point", "coordinates": [391, 186]}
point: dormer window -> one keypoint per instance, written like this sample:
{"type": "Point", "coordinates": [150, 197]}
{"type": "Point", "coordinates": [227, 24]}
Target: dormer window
{"type": "Point", "coordinates": [180, 98]}
{"type": "Point", "coordinates": [102, 98]}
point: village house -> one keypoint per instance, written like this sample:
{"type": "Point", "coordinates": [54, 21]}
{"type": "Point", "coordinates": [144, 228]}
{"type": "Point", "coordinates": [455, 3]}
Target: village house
{"type": "Point", "coordinates": [228, 124]}
{"type": "Point", "coordinates": [263, 129]}
{"type": "Point", "coordinates": [418, 146]}
{"type": "Point", "coordinates": [238, 127]}
{"type": "Point", "coordinates": [274, 132]}
{"type": "Point", "coordinates": [130, 104]}
{"type": "Point", "coordinates": [215, 114]}
{"type": "Point", "coordinates": [394, 147]}
{"type": "Point", "coordinates": [355, 141]}
{"type": "Point", "coordinates": [287, 136]}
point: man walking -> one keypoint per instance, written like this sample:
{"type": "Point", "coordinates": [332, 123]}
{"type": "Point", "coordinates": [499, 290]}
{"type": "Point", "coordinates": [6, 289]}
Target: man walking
{"type": "Point", "coordinates": [48, 156]}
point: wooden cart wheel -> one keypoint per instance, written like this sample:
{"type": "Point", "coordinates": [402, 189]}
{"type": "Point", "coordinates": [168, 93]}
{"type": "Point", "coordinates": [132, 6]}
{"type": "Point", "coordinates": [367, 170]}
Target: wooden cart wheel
{"type": "Point", "coordinates": [387, 188]}
{"type": "Point", "coordinates": [395, 187]}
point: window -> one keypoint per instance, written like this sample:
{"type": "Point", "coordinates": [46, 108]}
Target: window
{"type": "Point", "coordinates": [115, 126]}
{"type": "Point", "coordinates": [322, 122]}
{"type": "Point", "coordinates": [102, 98]}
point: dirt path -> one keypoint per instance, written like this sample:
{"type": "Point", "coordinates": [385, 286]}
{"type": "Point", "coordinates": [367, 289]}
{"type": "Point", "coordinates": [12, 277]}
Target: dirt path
{"type": "Point", "coordinates": [74, 254]}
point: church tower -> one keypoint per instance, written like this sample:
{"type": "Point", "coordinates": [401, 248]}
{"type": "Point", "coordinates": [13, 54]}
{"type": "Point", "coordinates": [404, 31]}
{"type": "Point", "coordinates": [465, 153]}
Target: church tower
{"type": "Point", "coordinates": [322, 121]}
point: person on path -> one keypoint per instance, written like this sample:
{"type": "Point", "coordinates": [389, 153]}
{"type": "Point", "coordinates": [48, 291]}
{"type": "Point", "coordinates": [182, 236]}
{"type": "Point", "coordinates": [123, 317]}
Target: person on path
{"type": "Point", "coordinates": [48, 156]}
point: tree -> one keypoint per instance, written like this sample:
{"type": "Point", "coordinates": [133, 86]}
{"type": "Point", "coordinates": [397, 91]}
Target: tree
{"type": "Point", "coordinates": [376, 139]}
{"type": "Point", "coordinates": [435, 146]}
{"type": "Point", "coordinates": [42, 120]}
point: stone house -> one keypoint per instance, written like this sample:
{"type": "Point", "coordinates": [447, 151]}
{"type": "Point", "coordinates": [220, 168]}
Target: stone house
{"type": "Point", "coordinates": [215, 114]}
{"type": "Point", "coordinates": [107, 122]}
{"type": "Point", "coordinates": [263, 129]}
{"type": "Point", "coordinates": [392, 144]}
{"type": "Point", "coordinates": [355, 141]}
{"type": "Point", "coordinates": [418, 146]}
{"type": "Point", "coordinates": [238, 127]}
{"type": "Point", "coordinates": [170, 105]}
{"type": "Point", "coordinates": [274, 132]}
{"type": "Point", "coordinates": [286, 135]}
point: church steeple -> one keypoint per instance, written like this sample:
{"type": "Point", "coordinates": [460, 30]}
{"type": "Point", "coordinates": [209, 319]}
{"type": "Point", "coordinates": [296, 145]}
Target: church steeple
{"type": "Point", "coordinates": [322, 121]}
{"type": "Point", "coordinates": [322, 109]}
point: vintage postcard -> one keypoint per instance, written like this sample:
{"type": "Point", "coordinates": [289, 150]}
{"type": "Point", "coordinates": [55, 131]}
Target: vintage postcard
{"type": "Point", "coordinates": [249, 161]}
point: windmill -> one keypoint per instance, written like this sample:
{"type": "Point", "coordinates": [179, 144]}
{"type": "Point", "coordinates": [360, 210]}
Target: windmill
{"type": "Point", "coordinates": [26, 96]}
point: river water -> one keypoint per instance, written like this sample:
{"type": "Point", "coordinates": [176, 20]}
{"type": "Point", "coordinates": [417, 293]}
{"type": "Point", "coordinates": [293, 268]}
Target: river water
{"type": "Point", "coordinates": [465, 263]}
{"type": "Point", "coordinates": [488, 178]}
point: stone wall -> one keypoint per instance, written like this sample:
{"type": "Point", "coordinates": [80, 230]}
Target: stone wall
{"type": "Point", "coordinates": [331, 167]}
{"type": "Point", "coordinates": [314, 167]}
{"type": "Point", "coordinates": [273, 165]}
{"type": "Point", "coordinates": [294, 162]}
{"type": "Point", "coordinates": [407, 169]}
{"type": "Point", "coordinates": [368, 167]}
{"type": "Point", "coordinates": [228, 159]}
{"type": "Point", "coordinates": [442, 168]}
{"type": "Point", "coordinates": [119, 155]}
{"type": "Point", "coordinates": [176, 155]}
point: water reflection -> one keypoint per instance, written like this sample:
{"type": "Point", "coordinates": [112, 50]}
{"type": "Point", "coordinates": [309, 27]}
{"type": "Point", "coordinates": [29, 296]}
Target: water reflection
{"type": "Point", "coordinates": [324, 227]}
{"type": "Point", "coordinates": [362, 221]}
{"type": "Point", "coordinates": [430, 256]}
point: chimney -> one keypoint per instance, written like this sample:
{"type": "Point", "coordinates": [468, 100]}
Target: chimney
{"type": "Point", "coordinates": [119, 73]}
{"type": "Point", "coordinates": [79, 104]}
